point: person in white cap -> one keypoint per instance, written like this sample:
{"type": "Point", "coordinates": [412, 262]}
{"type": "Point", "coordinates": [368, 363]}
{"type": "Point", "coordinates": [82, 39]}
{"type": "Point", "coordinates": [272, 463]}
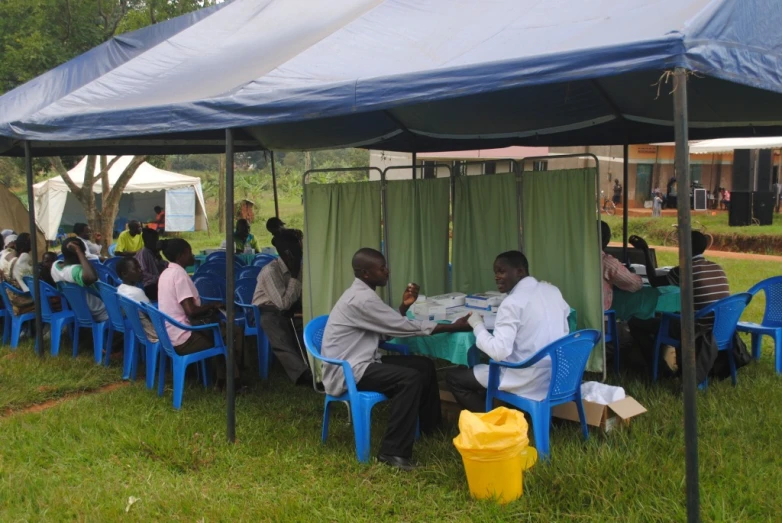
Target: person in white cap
{"type": "Point", "coordinates": [7, 255]}
{"type": "Point", "coordinates": [6, 232]}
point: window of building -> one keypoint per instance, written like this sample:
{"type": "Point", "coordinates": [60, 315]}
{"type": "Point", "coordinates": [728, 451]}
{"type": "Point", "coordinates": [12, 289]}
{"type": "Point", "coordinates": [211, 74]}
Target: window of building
{"type": "Point", "coordinates": [540, 165]}
{"type": "Point", "coordinates": [429, 170]}
{"type": "Point", "coordinates": [490, 168]}
{"type": "Point", "coordinates": [696, 172]}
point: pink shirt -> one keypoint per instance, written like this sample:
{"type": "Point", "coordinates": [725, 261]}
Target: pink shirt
{"type": "Point", "coordinates": [616, 275]}
{"type": "Point", "coordinates": [174, 287]}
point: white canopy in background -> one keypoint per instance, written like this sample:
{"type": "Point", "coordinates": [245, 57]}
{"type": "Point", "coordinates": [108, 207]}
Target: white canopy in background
{"type": "Point", "coordinates": [180, 195]}
{"type": "Point", "coordinates": [727, 145]}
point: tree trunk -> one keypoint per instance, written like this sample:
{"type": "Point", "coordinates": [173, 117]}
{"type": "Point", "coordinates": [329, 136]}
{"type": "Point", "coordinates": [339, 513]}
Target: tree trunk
{"type": "Point", "coordinates": [221, 210]}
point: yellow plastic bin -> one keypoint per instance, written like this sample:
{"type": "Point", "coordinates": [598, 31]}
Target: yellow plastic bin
{"type": "Point", "coordinates": [495, 451]}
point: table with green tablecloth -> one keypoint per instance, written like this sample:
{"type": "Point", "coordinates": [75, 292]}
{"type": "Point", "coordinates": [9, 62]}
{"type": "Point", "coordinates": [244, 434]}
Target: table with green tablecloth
{"type": "Point", "coordinates": [645, 303]}
{"type": "Point", "coordinates": [457, 347]}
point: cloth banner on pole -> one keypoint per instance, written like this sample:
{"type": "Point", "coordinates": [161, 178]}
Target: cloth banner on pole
{"type": "Point", "coordinates": [180, 209]}
{"type": "Point", "coordinates": [485, 224]}
{"type": "Point", "coordinates": [561, 242]}
{"type": "Point", "coordinates": [417, 222]}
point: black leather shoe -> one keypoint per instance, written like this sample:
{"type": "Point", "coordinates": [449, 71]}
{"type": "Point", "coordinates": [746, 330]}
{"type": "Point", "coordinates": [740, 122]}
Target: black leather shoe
{"type": "Point", "coordinates": [396, 462]}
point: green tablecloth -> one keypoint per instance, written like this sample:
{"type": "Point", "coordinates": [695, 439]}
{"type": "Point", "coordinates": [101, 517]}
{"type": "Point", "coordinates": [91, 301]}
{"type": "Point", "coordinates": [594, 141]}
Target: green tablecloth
{"type": "Point", "coordinates": [458, 347]}
{"type": "Point", "coordinates": [646, 302]}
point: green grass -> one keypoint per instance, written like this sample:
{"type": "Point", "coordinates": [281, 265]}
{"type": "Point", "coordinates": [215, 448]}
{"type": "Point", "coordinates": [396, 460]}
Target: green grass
{"type": "Point", "coordinates": [84, 458]}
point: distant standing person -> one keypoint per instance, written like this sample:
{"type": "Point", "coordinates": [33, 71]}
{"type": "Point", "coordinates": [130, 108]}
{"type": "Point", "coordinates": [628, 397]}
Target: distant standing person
{"type": "Point", "coordinates": [657, 205]}
{"type": "Point", "coordinates": [160, 219]}
{"type": "Point", "coordinates": [274, 225]}
{"type": "Point", "coordinates": [726, 199]}
{"type": "Point", "coordinates": [130, 241]}
{"type": "Point", "coordinates": [617, 192]}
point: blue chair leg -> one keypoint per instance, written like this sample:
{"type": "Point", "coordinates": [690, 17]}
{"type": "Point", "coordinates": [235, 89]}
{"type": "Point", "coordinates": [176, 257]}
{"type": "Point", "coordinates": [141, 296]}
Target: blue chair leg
{"type": "Point", "coordinates": [732, 363]}
{"type": "Point", "coordinates": [361, 431]}
{"type": "Point", "coordinates": [75, 339]}
{"type": "Point", "coordinates": [778, 351]}
{"type": "Point", "coordinates": [98, 338]}
{"type": "Point", "coordinates": [704, 384]}
{"type": "Point", "coordinates": [55, 332]}
{"type": "Point", "coordinates": [541, 427]}
{"type": "Point", "coordinates": [263, 355]}
{"type": "Point", "coordinates": [16, 332]}
{"type": "Point", "coordinates": [326, 417]}
{"type": "Point", "coordinates": [582, 417]}
{"type": "Point", "coordinates": [179, 382]}
{"type": "Point", "coordinates": [161, 377]}
{"type": "Point", "coordinates": [128, 356]}
{"type": "Point", "coordinates": [152, 357]}
{"type": "Point", "coordinates": [756, 339]}
{"type": "Point", "coordinates": [109, 344]}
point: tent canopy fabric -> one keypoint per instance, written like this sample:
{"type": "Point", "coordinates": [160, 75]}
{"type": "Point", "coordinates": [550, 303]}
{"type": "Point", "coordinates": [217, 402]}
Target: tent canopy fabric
{"type": "Point", "coordinates": [300, 74]}
{"type": "Point", "coordinates": [14, 216]}
{"type": "Point", "coordinates": [54, 203]}
{"type": "Point", "coordinates": [728, 145]}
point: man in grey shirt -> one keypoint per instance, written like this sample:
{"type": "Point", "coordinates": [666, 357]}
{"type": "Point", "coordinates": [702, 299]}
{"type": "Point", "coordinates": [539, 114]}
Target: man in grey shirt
{"type": "Point", "coordinates": [353, 333]}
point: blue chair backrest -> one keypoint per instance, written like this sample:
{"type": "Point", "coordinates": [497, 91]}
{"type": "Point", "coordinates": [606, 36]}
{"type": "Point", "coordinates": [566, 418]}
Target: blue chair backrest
{"type": "Point", "coordinates": [120, 223]}
{"type": "Point", "coordinates": [244, 288]}
{"type": "Point", "coordinates": [261, 260]}
{"type": "Point", "coordinates": [5, 288]}
{"type": "Point", "coordinates": [209, 286]}
{"type": "Point", "coordinates": [112, 249]}
{"type": "Point", "coordinates": [112, 263]}
{"type": "Point", "coordinates": [772, 287]}
{"type": "Point", "coordinates": [250, 271]}
{"type": "Point", "coordinates": [727, 313]}
{"type": "Point", "coordinates": [109, 296]}
{"type": "Point", "coordinates": [47, 293]}
{"type": "Point", "coordinates": [77, 299]}
{"type": "Point", "coordinates": [132, 309]}
{"type": "Point", "coordinates": [107, 275]}
{"type": "Point", "coordinates": [159, 321]}
{"type": "Point", "coordinates": [313, 335]}
{"type": "Point", "coordinates": [217, 255]}
{"type": "Point", "coordinates": [217, 268]}
{"type": "Point", "coordinates": [569, 357]}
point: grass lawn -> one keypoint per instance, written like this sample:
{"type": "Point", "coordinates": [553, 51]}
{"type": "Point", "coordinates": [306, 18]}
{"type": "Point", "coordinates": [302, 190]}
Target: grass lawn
{"type": "Point", "coordinates": [83, 459]}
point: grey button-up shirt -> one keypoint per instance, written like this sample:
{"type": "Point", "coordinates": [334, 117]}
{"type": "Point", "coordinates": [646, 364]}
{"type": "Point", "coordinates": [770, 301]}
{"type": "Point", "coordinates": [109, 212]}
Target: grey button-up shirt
{"type": "Point", "coordinates": [354, 330]}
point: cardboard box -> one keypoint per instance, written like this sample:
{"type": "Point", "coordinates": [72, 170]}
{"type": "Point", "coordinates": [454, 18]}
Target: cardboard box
{"type": "Point", "coordinates": [486, 301]}
{"type": "Point", "coordinates": [452, 299]}
{"type": "Point", "coordinates": [606, 417]}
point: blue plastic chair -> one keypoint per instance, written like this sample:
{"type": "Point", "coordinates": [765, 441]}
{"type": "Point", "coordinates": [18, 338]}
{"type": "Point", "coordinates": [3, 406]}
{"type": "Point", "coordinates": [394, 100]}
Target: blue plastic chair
{"type": "Point", "coordinates": [111, 263]}
{"type": "Point", "coordinates": [132, 310]}
{"type": "Point", "coordinates": [112, 249]}
{"type": "Point", "coordinates": [250, 272]}
{"type": "Point", "coordinates": [77, 299]}
{"type": "Point", "coordinates": [612, 336]}
{"type": "Point", "coordinates": [243, 296]}
{"type": "Point", "coordinates": [118, 323]}
{"type": "Point", "coordinates": [6, 317]}
{"type": "Point", "coordinates": [772, 319]}
{"type": "Point", "coordinates": [180, 363]}
{"type": "Point", "coordinates": [210, 288]}
{"type": "Point", "coordinates": [218, 268]}
{"type": "Point", "coordinates": [360, 402]}
{"type": "Point", "coordinates": [726, 314]}
{"type": "Point", "coordinates": [16, 321]}
{"type": "Point", "coordinates": [56, 320]}
{"type": "Point", "coordinates": [569, 356]}
{"type": "Point", "coordinates": [214, 256]}
{"type": "Point", "coordinates": [261, 260]}
{"type": "Point", "coordinates": [120, 224]}
{"type": "Point", "coordinates": [107, 275]}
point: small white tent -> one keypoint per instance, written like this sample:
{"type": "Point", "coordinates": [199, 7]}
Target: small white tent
{"type": "Point", "coordinates": [180, 195]}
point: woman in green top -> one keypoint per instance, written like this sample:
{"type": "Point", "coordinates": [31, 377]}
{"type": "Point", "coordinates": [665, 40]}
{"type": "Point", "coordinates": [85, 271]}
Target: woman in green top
{"type": "Point", "coordinates": [243, 240]}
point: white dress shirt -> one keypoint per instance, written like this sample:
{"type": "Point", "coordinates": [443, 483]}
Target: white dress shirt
{"type": "Point", "coordinates": [91, 250]}
{"type": "Point", "coordinates": [533, 315]}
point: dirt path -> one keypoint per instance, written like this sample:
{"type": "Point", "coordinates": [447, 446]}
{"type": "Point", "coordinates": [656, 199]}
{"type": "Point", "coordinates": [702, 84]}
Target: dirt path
{"type": "Point", "coordinates": [40, 407]}
{"type": "Point", "coordinates": [718, 254]}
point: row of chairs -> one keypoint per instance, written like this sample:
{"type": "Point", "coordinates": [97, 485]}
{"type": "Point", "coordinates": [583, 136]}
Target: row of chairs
{"type": "Point", "coordinates": [726, 315]}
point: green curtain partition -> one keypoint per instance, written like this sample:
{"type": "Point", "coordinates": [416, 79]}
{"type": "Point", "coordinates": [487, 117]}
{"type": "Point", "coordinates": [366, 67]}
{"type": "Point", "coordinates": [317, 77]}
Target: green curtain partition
{"type": "Point", "coordinates": [417, 222]}
{"type": "Point", "coordinates": [485, 223]}
{"type": "Point", "coordinates": [560, 226]}
{"type": "Point", "coordinates": [339, 219]}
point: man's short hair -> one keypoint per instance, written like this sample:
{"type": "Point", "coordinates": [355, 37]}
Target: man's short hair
{"type": "Point", "coordinates": [157, 208]}
{"type": "Point", "coordinates": [274, 223]}
{"type": "Point", "coordinates": [699, 243]}
{"type": "Point", "coordinates": [78, 228]}
{"type": "Point", "coordinates": [124, 265]}
{"type": "Point", "coordinates": [515, 259]}
{"type": "Point", "coordinates": [363, 256]}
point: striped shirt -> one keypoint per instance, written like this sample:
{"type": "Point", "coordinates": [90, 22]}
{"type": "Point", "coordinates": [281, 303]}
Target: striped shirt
{"type": "Point", "coordinates": [709, 282]}
{"type": "Point", "coordinates": [617, 275]}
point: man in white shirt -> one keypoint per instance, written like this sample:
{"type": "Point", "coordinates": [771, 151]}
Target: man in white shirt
{"type": "Point", "coordinates": [76, 268]}
{"type": "Point", "coordinates": [84, 233]}
{"type": "Point", "coordinates": [533, 315]}
{"type": "Point", "coordinates": [129, 271]}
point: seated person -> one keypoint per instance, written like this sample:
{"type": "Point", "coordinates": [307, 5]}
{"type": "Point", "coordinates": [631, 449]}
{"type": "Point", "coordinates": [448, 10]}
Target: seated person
{"type": "Point", "coordinates": [20, 266]}
{"type": "Point", "coordinates": [7, 255]}
{"type": "Point", "coordinates": [129, 271]}
{"type": "Point", "coordinates": [353, 333]}
{"type": "Point", "coordinates": [709, 285]}
{"type": "Point", "coordinates": [151, 263]}
{"type": "Point", "coordinates": [533, 315]}
{"type": "Point", "coordinates": [276, 226]}
{"type": "Point", "coordinates": [47, 260]}
{"type": "Point", "coordinates": [84, 232]}
{"type": "Point", "coordinates": [129, 242]}
{"type": "Point", "coordinates": [278, 295]}
{"type": "Point", "coordinates": [243, 240]}
{"type": "Point", "coordinates": [615, 274]}
{"type": "Point", "coordinates": [76, 268]}
{"type": "Point", "coordinates": [179, 299]}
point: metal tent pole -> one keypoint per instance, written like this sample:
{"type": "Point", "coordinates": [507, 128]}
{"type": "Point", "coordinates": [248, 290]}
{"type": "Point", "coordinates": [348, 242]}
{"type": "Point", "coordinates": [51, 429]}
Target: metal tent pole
{"type": "Point", "coordinates": [625, 206]}
{"type": "Point", "coordinates": [415, 161]}
{"type": "Point", "coordinates": [680, 124]}
{"type": "Point", "coordinates": [274, 186]}
{"type": "Point", "coordinates": [229, 288]}
{"type": "Point", "coordinates": [36, 290]}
